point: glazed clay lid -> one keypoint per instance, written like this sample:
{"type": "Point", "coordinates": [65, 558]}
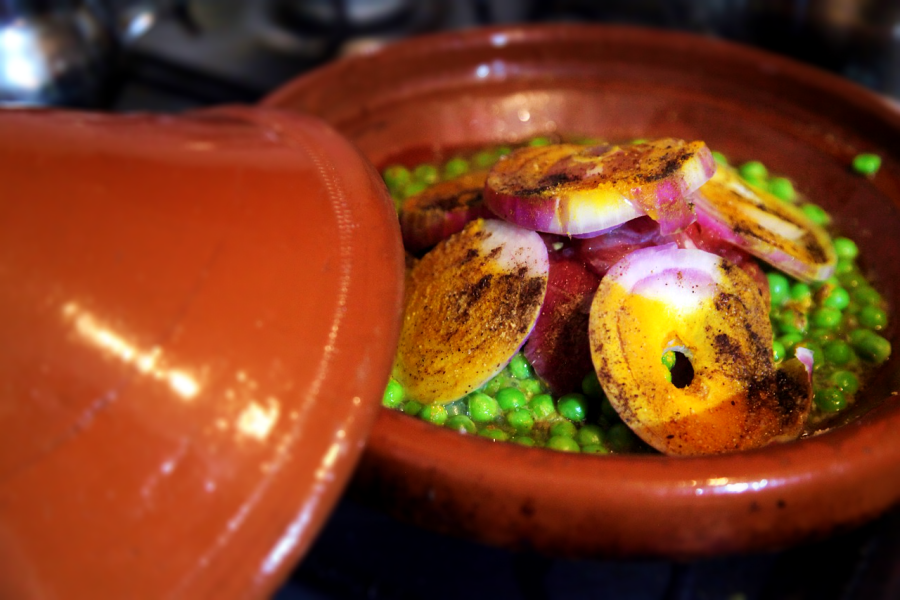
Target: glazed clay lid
{"type": "Point", "coordinates": [199, 318]}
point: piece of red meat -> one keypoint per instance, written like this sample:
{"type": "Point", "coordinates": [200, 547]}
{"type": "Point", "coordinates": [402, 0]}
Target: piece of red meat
{"type": "Point", "coordinates": [558, 347]}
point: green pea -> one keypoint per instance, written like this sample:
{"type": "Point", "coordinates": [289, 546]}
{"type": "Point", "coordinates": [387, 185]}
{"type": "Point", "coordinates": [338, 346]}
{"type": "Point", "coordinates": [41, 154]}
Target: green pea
{"type": "Point", "coordinates": [510, 398]}
{"type": "Point", "coordinates": [866, 164]}
{"type": "Point", "coordinates": [589, 435]}
{"type": "Point", "coordinates": [821, 335]}
{"type": "Point", "coordinates": [414, 189]}
{"type": "Point", "coordinates": [844, 266]}
{"type": "Point", "coordinates": [493, 433]}
{"type": "Point", "coordinates": [830, 400]}
{"type": "Point", "coordinates": [483, 408]}
{"type": "Point", "coordinates": [563, 428]}
{"type": "Point", "coordinates": [531, 387]}
{"type": "Point", "coordinates": [594, 449]}
{"type": "Point", "coordinates": [837, 298]}
{"type": "Point", "coordinates": [434, 413]}
{"type": "Point", "coordinates": [607, 410]}
{"type": "Point", "coordinates": [542, 406]}
{"type": "Point", "coordinates": [590, 386]}
{"type": "Point", "coordinates": [793, 321]}
{"type": "Point", "coordinates": [493, 386]}
{"type": "Point", "coordinates": [753, 170]}
{"type": "Point", "coordinates": [853, 279]}
{"type": "Point", "coordinates": [667, 375]}
{"type": "Point", "coordinates": [778, 351]}
{"type": "Point", "coordinates": [845, 381]}
{"type": "Point", "coordinates": [826, 317]}
{"type": "Point", "coordinates": [850, 321]}
{"type": "Point", "coordinates": [562, 443]}
{"type": "Point", "coordinates": [872, 317]}
{"type": "Point", "coordinates": [411, 407]}
{"type": "Point", "coordinates": [639, 141]}
{"type": "Point", "coordinates": [668, 359]}
{"type": "Point", "coordinates": [789, 341]}
{"type": "Point", "coordinates": [455, 167]}
{"type": "Point", "coordinates": [540, 141]}
{"type": "Point", "coordinates": [830, 282]}
{"type": "Point", "coordinates": [719, 158]}
{"type": "Point", "coordinates": [620, 438]}
{"type": "Point", "coordinates": [870, 345]}
{"type": "Point", "coordinates": [801, 293]}
{"type": "Point", "coordinates": [484, 159]}
{"type": "Point", "coordinates": [845, 248]}
{"type": "Point", "coordinates": [461, 423]}
{"type": "Point", "coordinates": [755, 182]}
{"type": "Point", "coordinates": [837, 352]}
{"type": "Point", "coordinates": [504, 150]}
{"type": "Point", "coordinates": [396, 177]}
{"type": "Point", "coordinates": [519, 367]}
{"type": "Point", "coordinates": [520, 419]}
{"type": "Point", "coordinates": [867, 295]}
{"type": "Point", "coordinates": [782, 189]}
{"type": "Point", "coordinates": [457, 407]}
{"type": "Point", "coordinates": [573, 407]}
{"type": "Point", "coordinates": [523, 440]}
{"type": "Point", "coordinates": [816, 214]}
{"type": "Point", "coordinates": [779, 288]}
{"type": "Point", "coordinates": [427, 174]}
{"type": "Point", "coordinates": [393, 394]}
{"type": "Point", "coordinates": [816, 349]}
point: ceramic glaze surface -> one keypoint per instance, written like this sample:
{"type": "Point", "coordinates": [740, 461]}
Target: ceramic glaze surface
{"type": "Point", "coordinates": [421, 99]}
{"type": "Point", "coordinates": [198, 317]}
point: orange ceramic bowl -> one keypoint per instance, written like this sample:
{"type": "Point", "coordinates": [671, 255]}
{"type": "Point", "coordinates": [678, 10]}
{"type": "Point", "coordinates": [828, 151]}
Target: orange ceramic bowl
{"type": "Point", "coordinates": [503, 85]}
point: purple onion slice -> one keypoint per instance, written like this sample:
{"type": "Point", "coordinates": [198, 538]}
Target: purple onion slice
{"type": "Point", "coordinates": [665, 298]}
{"type": "Point", "coordinates": [766, 227]}
{"type": "Point", "coordinates": [576, 190]}
{"type": "Point", "coordinates": [442, 210]}
{"type": "Point", "coordinates": [603, 251]}
{"type": "Point", "coordinates": [470, 304]}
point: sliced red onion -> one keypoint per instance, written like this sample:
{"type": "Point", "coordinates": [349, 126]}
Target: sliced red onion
{"type": "Point", "coordinates": [579, 191]}
{"type": "Point", "coordinates": [660, 298]}
{"type": "Point", "coordinates": [603, 251]}
{"type": "Point", "coordinates": [805, 356]}
{"type": "Point", "coordinates": [442, 210]}
{"type": "Point", "coordinates": [558, 348]}
{"type": "Point", "coordinates": [766, 227]}
{"type": "Point", "coordinates": [470, 304]}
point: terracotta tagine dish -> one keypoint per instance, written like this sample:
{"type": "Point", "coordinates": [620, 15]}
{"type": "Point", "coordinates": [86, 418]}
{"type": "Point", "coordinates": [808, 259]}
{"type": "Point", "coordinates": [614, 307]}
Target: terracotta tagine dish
{"type": "Point", "coordinates": [440, 99]}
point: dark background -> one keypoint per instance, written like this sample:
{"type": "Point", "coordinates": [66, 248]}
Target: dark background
{"type": "Point", "coordinates": [206, 51]}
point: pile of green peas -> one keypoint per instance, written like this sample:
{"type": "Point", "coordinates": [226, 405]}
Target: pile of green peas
{"type": "Point", "coordinates": [403, 182]}
{"type": "Point", "coordinates": [839, 320]}
{"type": "Point", "coordinates": [516, 406]}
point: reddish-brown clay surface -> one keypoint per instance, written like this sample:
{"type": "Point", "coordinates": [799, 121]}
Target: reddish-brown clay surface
{"type": "Point", "coordinates": [486, 86]}
{"type": "Point", "coordinates": [198, 317]}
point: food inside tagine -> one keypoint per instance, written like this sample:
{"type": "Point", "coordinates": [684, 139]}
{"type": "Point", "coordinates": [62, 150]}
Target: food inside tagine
{"type": "Point", "coordinates": [638, 297]}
